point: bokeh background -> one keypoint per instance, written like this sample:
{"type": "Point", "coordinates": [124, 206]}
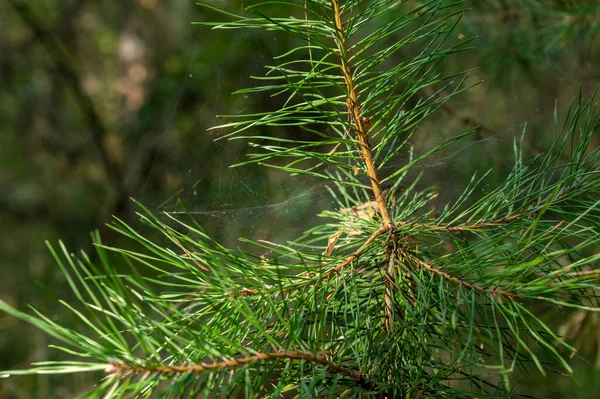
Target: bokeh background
{"type": "Point", "coordinates": [101, 101]}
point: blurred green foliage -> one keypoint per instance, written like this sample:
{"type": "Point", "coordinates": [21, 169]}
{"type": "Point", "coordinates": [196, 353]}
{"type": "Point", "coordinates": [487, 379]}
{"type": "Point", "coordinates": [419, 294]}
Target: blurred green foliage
{"type": "Point", "coordinates": [153, 83]}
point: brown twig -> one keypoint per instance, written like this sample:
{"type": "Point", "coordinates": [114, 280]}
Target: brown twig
{"type": "Point", "coordinates": [390, 286]}
{"type": "Point", "coordinates": [361, 124]}
{"type": "Point", "coordinates": [497, 222]}
{"type": "Point", "coordinates": [572, 274]}
{"type": "Point", "coordinates": [496, 291]}
{"type": "Point", "coordinates": [383, 229]}
{"type": "Point", "coordinates": [184, 249]}
{"type": "Point", "coordinates": [433, 227]}
{"type": "Point", "coordinates": [357, 253]}
{"type": "Point", "coordinates": [307, 31]}
{"type": "Point", "coordinates": [246, 292]}
{"type": "Point", "coordinates": [474, 226]}
{"type": "Point", "coordinates": [582, 18]}
{"type": "Point", "coordinates": [584, 273]}
{"type": "Point", "coordinates": [118, 367]}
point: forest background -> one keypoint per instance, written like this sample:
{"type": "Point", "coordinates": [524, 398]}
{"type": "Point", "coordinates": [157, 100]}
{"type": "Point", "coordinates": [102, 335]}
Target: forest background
{"type": "Point", "coordinates": [102, 101]}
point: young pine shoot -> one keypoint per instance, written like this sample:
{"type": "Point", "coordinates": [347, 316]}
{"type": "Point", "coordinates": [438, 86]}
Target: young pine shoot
{"type": "Point", "coordinates": [389, 297]}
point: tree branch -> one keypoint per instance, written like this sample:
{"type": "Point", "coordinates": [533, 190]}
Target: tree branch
{"type": "Point", "coordinates": [118, 367]}
{"type": "Point", "coordinates": [357, 253]}
{"type": "Point", "coordinates": [390, 286]}
{"type": "Point", "coordinates": [361, 124]}
{"type": "Point", "coordinates": [465, 227]}
{"type": "Point", "coordinates": [495, 292]}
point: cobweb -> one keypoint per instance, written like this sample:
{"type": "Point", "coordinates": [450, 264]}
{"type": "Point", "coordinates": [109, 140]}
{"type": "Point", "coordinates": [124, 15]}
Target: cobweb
{"type": "Point", "coordinates": [280, 210]}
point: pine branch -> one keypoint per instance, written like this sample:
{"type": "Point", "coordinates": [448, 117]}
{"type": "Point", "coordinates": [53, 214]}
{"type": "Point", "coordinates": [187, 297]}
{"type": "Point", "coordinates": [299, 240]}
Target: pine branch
{"type": "Point", "coordinates": [494, 292]}
{"type": "Point", "coordinates": [465, 227]}
{"type": "Point", "coordinates": [362, 125]}
{"type": "Point", "coordinates": [337, 269]}
{"type": "Point", "coordinates": [390, 286]}
{"type": "Point", "coordinates": [122, 368]}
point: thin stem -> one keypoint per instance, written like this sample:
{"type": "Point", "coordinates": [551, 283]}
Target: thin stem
{"type": "Point", "coordinates": [308, 32]}
{"type": "Point", "coordinates": [465, 227]}
{"type": "Point", "coordinates": [357, 253]}
{"type": "Point", "coordinates": [361, 124]}
{"type": "Point", "coordinates": [390, 286]}
{"type": "Point", "coordinates": [118, 367]}
{"type": "Point", "coordinates": [184, 249]}
{"type": "Point", "coordinates": [496, 291]}
{"type": "Point", "coordinates": [383, 229]}
{"type": "Point", "coordinates": [246, 292]}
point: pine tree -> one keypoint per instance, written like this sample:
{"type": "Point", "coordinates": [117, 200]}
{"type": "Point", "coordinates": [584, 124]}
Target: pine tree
{"type": "Point", "coordinates": [391, 296]}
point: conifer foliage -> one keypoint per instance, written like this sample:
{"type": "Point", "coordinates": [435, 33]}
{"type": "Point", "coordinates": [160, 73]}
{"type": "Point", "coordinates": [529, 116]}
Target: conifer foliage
{"type": "Point", "coordinates": [390, 296]}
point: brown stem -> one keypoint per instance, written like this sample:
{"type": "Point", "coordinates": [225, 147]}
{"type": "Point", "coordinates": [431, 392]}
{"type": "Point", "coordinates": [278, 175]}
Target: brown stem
{"type": "Point", "coordinates": [448, 229]}
{"type": "Point", "coordinates": [184, 249]}
{"type": "Point", "coordinates": [584, 273]}
{"type": "Point", "coordinates": [118, 367]}
{"type": "Point", "coordinates": [307, 31]}
{"type": "Point", "coordinates": [496, 291]}
{"type": "Point", "coordinates": [357, 253]}
{"type": "Point", "coordinates": [571, 274]}
{"type": "Point", "coordinates": [383, 229]}
{"type": "Point", "coordinates": [361, 124]}
{"type": "Point", "coordinates": [246, 292]}
{"type": "Point", "coordinates": [390, 285]}
{"type": "Point", "coordinates": [496, 222]}
{"type": "Point", "coordinates": [465, 227]}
